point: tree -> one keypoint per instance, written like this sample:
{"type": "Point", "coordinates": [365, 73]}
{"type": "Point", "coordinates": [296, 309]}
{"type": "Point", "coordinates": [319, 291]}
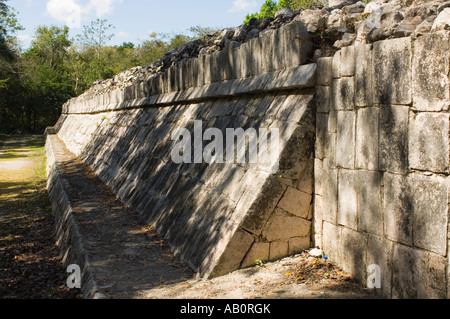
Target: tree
{"type": "Point", "coordinates": [96, 35]}
{"type": "Point", "coordinates": [270, 7]}
{"type": "Point", "coordinates": [45, 77]}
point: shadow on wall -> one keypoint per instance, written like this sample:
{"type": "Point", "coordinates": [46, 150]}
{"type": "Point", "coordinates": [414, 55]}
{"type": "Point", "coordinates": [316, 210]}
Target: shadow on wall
{"type": "Point", "coordinates": [196, 207]}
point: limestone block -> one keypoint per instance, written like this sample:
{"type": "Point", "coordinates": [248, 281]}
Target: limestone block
{"type": "Point", "coordinates": [264, 203]}
{"type": "Point", "coordinates": [392, 71]}
{"type": "Point", "coordinates": [326, 185]}
{"type": "Point", "coordinates": [207, 69]}
{"type": "Point", "coordinates": [283, 226]}
{"type": "Point", "coordinates": [354, 249]}
{"type": "Point", "coordinates": [430, 72]}
{"type": "Point", "coordinates": [324, 71]}
{"type": "Point", "coordinates": [363, 75]}
{"type": "Point", "coordinates": [417, 273]}
{"type": "Point", "coordinates": [301, 77]}
{"type": "Point", "coordinates": [398, 208]}
{"type": "Point", "coordinates": [246, 57]}
{"type": "Point", "coordinates": [367, 138]}
{"type": "Point", "coordinates": [379, 252]}
{"type": "Point", "coordinates": [299, 244]}
{"type": "Point", "coordinates": [235, 252]}
{"type": "Point", "coordinates": [278, 50]}
{"type": "Point", "coordinates": [429, 142]}
{"type": "Point", "coordinates": [348, 61]}
{"type": "Point", "coordinates": [323, 99]}
{"type": "Point", "coordinates": [345, 139]}
{"type": "Point", "coordinates": [336, 65]}
{"type": "Point", "coordinates": [224, 63]}
{"type": "Point", "coordinates": [370, 218]}
{"type": "Point", "coordinates": [343, 94]}
{"type": "Point", "coordinates": [259, 251]}
{"type": "Point", "coordinates": [322, 136]}
{"type": "Point", "coordinates": [278, 250]}
{"type": "Point", "coordinates": [332, 242]}
{"type": "Point", "coordinates": [298, 44]}
{"type": "Point", "coordinates": [429, 197]}
{"type": "Point", "coordinates": [393, 148]}
{"type": "Point", "coordinates": [296, 202]}
{"type": "Point", "coordinates": [348, 199]}
{"type": "Point", "coordinates": [266, 40]}
{"type": "Point", "coordinates": [255, 47]}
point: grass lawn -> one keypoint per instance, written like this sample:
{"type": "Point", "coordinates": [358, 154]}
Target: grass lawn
{"type": "Point", "coordinates": [30, 266]}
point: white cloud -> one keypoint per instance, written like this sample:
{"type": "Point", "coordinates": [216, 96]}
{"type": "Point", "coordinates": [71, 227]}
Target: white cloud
{"type": "Point", "coordinates": [102, 7]}
{"type": "Point", "coordinates": [122, 34]}
{"type": "Point", "coordinates": [72, 13]}
{"type": "Point", "coordinates": [243, 5]}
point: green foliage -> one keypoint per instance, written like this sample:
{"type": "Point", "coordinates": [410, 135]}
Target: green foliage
{"type": "Point", "coordinates": [270, 7]}
{"type": "Point", "coordinates": [35, 83]}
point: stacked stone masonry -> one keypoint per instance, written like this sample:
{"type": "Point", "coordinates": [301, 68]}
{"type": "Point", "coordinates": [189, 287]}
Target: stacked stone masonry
{"type": "Point", "coordinates": [382, 162]}
{"type": "Point", "coordinates": [364, 154]}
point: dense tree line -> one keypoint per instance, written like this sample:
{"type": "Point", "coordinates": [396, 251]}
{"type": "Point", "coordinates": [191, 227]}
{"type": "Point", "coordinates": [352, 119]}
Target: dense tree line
{"type": "Point", "coordinates": [35, 82]}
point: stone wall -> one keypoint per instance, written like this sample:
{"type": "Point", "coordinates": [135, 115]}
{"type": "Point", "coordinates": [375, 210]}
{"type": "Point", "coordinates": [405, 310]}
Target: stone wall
{"type": "Point", "coordinates": [364, 154]}
{"type": "Point", "coordinates": [382, 162]}
{"type": "Point", "coordinates": [216, 217]}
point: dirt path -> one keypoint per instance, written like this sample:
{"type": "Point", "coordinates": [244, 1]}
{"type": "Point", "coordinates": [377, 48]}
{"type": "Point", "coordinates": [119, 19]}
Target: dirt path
{"type": "Point", "coordinates": [29, 263]}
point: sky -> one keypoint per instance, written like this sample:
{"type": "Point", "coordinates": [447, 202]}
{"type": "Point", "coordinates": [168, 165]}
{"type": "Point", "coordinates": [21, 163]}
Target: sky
{"type": "Point", "coordinates": [134, 20]}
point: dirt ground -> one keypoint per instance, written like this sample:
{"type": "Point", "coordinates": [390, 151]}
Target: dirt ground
{"type": "Point", "coordinates": [298, 277]}
{"type": "Point", "coordinates": [30, 266]}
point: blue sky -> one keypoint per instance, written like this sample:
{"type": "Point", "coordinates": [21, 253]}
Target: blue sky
{"type": "Point", "coordinates": [134, 20]}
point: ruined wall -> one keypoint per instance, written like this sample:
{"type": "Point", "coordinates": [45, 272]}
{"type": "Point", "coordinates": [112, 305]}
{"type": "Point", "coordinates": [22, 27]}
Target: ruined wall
{"type": "Point", "coordinates": [216, 217]}
{"type": "Point", "coordinates": [364, 154]}
{"type": "Point", "coordinates": [382, 162]}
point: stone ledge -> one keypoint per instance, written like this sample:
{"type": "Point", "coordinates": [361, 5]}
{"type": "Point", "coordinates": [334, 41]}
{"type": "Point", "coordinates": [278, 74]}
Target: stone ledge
{"type": "Point", "coordinates": [302, 77]}
{"type": "Point", "coordinates": [68, 237]}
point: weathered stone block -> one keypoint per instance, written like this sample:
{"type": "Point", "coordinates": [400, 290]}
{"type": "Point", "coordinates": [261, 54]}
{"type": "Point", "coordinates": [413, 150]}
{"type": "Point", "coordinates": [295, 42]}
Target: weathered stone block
{"type": "Point", "coordinates": [394, 138]}
{"type": "Point", "coordinates": [348, 61]}
{"type": "Point", "coordinates": [429, 142]}
{"type": "Point", "coordinates": [296, 202]}
{"type": "Point", "coordinates": [259, 251]}
{"type": "Point", "coordinates": [392, 71]}
{"type": "Point", "coordinates": [343, 94]}
{"type": "Point", "coordinates": [336, 65]}
{"type": "Point", "coordinates": [345, 139]}
{"type": "Point", "coordinates": [369, 202]}
{"type": "Point", "coordinates": [430, 72]}
{"type": "Point", "coordinates": [353, 253]}
{"type": "Point", "coordinates": [263, 205]}
{"type": "Point", "coordinates": [324, 71]}
{"type": "Point", "coordinates": [297, 44]}
{"type": "Point", "coordinates": [322, 136]}
{"type": "Point", "coordinates": [323, 99]}
{"type": "Point", "coordinates": [299, 244]}
{"type": "Point", "coordinates": [327, 186]}
{"type": "Point", "coordinates": [429, 198]}
{"type": "Point", "coordinates": [367, 138]}
{"type": "Point", "coordinates": [398, 208]}
{"type": "Point", "coordinates": [278, 250]}
{"type": "Point", "coordinates": [347, 199]}
{"type": "Point", "coordinates": [363, 75]}
{"type": "Point", "coordinates": [379, 252]}
{"type": "Point", "coordinates": [236, 250]}
{"type": "Point", "coordinates": [332, 242]}
{"type": "Point", "coordinates": [283, 226]}
{"type": "Point", "coordinates": [417, 274]}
